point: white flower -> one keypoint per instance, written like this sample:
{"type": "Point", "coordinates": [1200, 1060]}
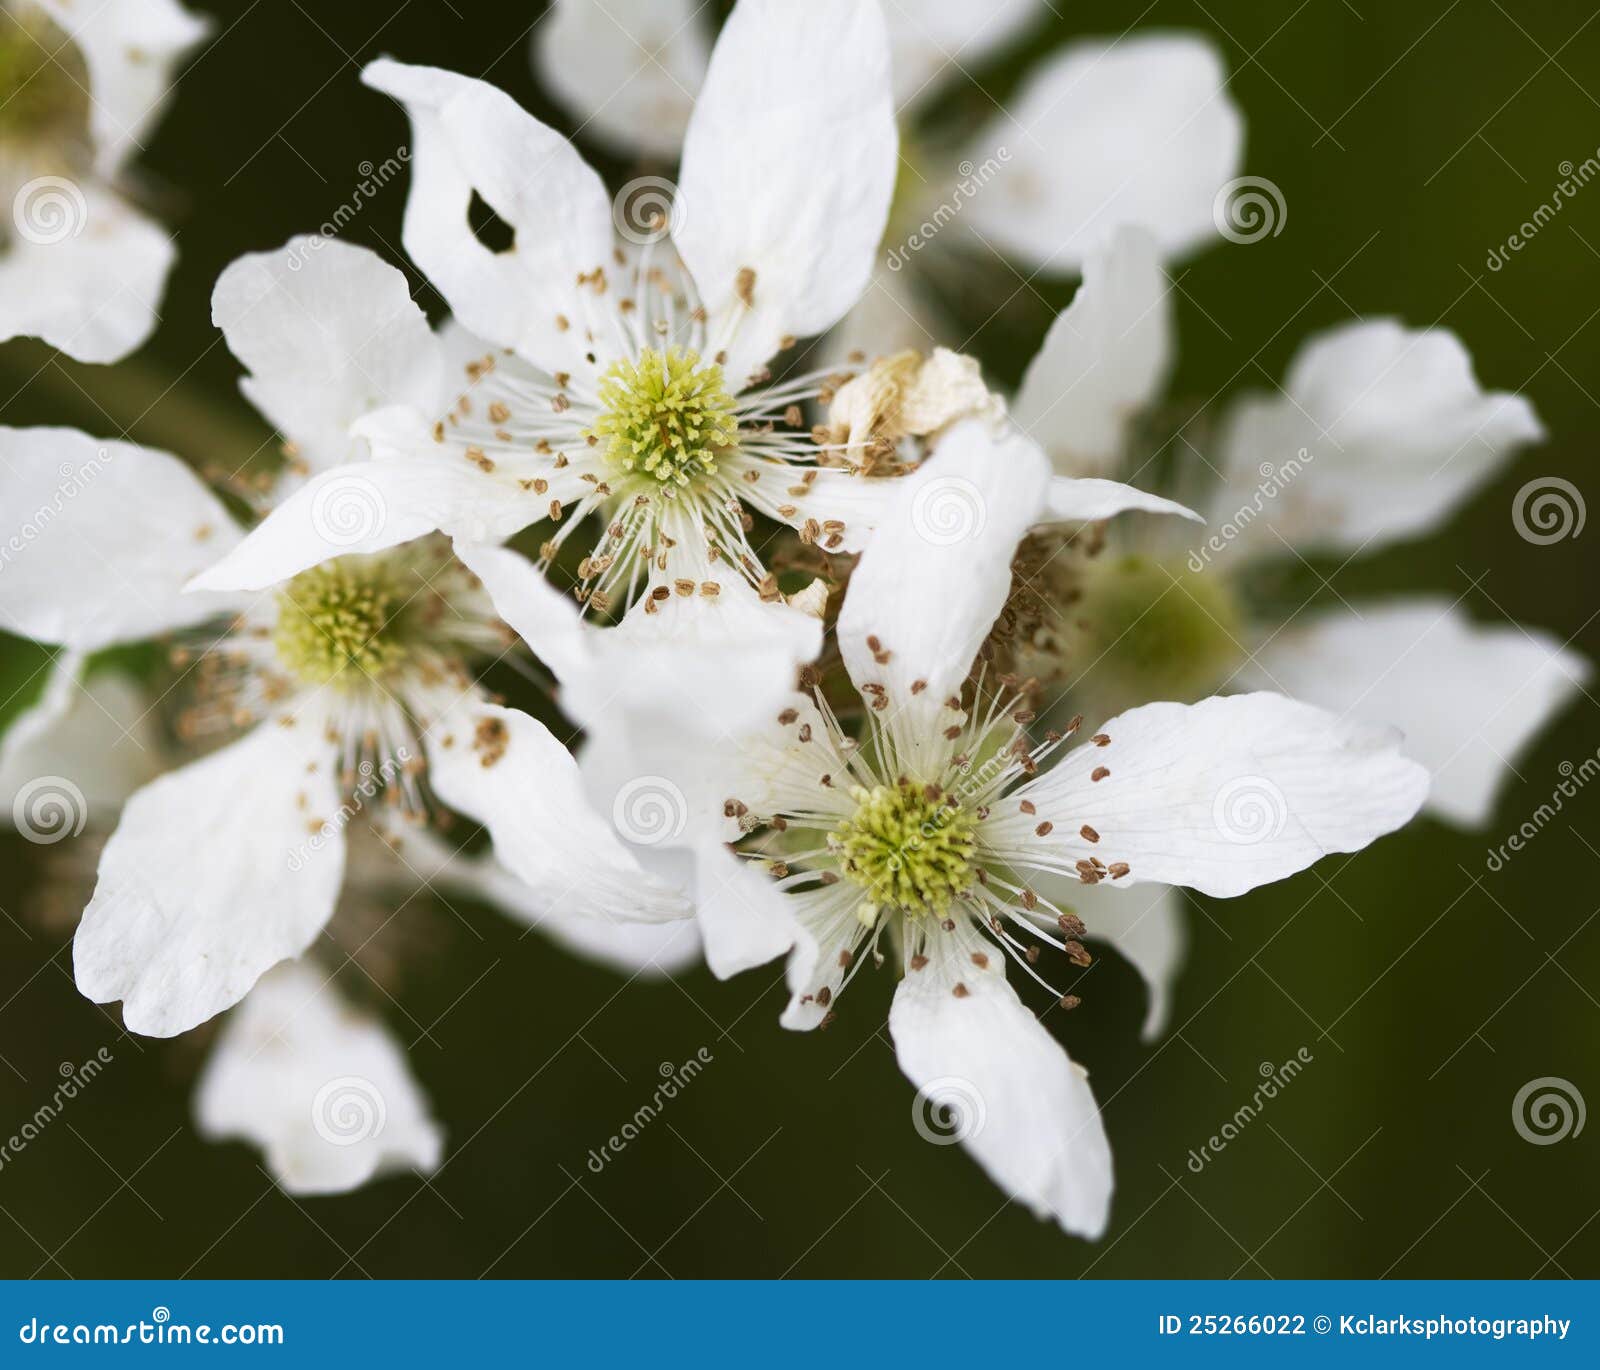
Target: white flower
{"type": "Point", "coordinates": [352, 679]}
{"type": "Point", "coordinates": [648, 695]}
{"type": "Point", "coordinates": [930, 837]}
{"type": "Point", "coordinates": [1379, 432]}
{"type": "Point", "coordinates": [1136, 130]}
{"type": "Point", "coordinates": [620, 393]}
{"type": "Point", "coordinates": [83, 84]}
{"type": "Point", "coordinates": [323, 1091]}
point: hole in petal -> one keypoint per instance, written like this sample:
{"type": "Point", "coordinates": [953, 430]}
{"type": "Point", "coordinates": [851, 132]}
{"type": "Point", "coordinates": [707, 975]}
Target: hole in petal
{"type": "Point", "coordinates": [488, 227]}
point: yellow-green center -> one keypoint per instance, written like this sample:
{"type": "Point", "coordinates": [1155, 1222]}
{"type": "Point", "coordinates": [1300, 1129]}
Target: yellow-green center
{"type": "Point", "coordinates": [44, 84]}
{"type": "Point", "coordinates": [908, 847]}
{"type": "Point", "coordinates": [1149, 629]}
{"type": "Point", "coordinates": [664, 416]}
{"type": "Point", "coordinates": [348, 622]}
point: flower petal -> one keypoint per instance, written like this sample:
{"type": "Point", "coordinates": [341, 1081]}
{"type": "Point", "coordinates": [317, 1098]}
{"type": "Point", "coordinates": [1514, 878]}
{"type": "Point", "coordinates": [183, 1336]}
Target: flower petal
{"type": "Point", "coordinates": [745, 921]}
{"type": "Point", "coordinates": [1145, 923]}
{"type": "Point", "coordinates": [329, 333]}
{"type": "Point", "coordinates": [109, 534]}
{"type": "Point", "coordinates": [1136, 131]}
{"type": "Point", "coordinates": [628, 69]}
{"type": "Point", "coordinates": [985, 1067]}
{"type": "Point", "coordinates": [929, 42]}
{"type": "Point", "coordinates": [1387, 431]}
{"type": "Point", "coordinates": [645, 951]}
{"type": "Point", "coordinates": [1105, 357]}
{"type": "Point", "coordinates": [788, 168]}
{"type": "Point", "coordinates": [89, 280]}
{"type": "Point", "coordinates": [367, 506]}
{"type": "Point", "coordinates": [891, 316]}
{"type": "Point", "coordinates": [505, 770]}
{"type": "Point", "coordinates": [468, 136]}
{"type": "Point", "coordinates": [1091, 499]}
{"type": "Point", "coordinates": [217, 871]}
{"type": "Point", "coordinates": [697, 667]}
{"type": "Point", "coordinates": [95, 734]}
{"type": "Point", "coordinates": [928, 587]}
{"type": "Point", "coordinates": [130, 48]}
{"type": "Point", "coordinates": [1220, 796]}
{"type": "Point", "coordinates": [1469, 699]}
{"type": "Point", "coordinates": [323, 1090]}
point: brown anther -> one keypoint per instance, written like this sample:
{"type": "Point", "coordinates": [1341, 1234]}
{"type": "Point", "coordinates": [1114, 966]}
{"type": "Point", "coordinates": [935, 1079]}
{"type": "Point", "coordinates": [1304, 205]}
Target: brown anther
{"type": "Point", "coordinates": [1077, 954]}
{"type": "Point", "coordinates": [1099, 773]}
{"type": "Point", "coordinates": [1088, 834]}
{"type": "Point", "coordinates": [1044, 829]}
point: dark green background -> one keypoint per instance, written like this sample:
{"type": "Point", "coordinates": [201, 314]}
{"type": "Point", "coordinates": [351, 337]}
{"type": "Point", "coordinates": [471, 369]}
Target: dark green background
{"type": "Point", "coordinates": [1408, 139]}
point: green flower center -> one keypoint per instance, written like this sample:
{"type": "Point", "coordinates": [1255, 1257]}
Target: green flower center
{"type": "Point", "coordinates": [349, 621]}
{"type": "Point", "coordinates": [1149, 630]}
{"type": "Point", "coordinates": [909, 848]}
{"type": "Point", "coordinates": [664, 416]}
{"type": "Point", "coordinates": [44, 83]}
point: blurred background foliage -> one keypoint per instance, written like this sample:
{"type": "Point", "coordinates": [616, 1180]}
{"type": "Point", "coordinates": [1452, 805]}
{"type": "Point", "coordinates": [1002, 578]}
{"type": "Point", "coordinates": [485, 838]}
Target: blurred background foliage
{"type": "Point", "coordinates": [1408, 140]}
